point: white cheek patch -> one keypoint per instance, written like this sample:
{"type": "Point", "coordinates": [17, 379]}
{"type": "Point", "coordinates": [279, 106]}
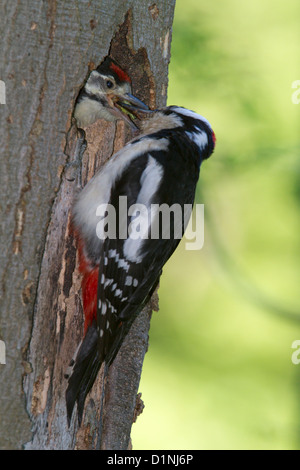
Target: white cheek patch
{"type": "Point", "coordinates": [199, 138]}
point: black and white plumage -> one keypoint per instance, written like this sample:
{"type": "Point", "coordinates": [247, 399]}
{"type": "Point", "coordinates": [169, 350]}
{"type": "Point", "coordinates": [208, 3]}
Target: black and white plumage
{"type": "Point", "coordinates": [161, 166]}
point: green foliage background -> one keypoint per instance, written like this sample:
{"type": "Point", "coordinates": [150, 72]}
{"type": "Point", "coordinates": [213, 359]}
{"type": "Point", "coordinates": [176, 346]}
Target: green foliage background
{"type": "Point", "coordinates": [218, 374]}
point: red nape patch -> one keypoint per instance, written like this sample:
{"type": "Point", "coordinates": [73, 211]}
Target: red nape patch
{"type": "Point", "coordinates": [214, 138]}
{"type": "Point", "coordinates": [121, 74]}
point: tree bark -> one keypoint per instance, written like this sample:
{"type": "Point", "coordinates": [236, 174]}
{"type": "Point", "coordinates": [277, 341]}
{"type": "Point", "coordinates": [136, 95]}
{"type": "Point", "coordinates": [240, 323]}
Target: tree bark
{"type": "Point", "coordinates": [47, 51]}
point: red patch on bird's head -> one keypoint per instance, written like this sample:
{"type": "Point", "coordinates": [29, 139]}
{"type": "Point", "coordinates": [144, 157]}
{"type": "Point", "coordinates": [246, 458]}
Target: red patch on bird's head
{"type": "Point", "coordinates": [214, 138]}
{"type": "Point", "coordinates": [119, 72]}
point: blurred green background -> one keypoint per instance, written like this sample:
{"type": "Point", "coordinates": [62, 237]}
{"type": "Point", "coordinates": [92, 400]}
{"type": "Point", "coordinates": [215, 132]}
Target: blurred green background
{"type": "Point", "coordinates": [218, 373]}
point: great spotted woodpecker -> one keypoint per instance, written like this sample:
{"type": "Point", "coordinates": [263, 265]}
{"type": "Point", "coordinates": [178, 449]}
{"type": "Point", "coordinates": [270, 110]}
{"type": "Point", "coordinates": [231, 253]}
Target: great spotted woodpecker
{"type": "Point", "coordinates": [106, 89]}
{"type": "Point", "coordinates": [121, 271]}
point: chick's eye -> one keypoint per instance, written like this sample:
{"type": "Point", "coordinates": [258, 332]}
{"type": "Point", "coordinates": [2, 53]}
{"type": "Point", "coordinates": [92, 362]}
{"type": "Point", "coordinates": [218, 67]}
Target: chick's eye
{"type": "Point", "coordinates": [109, 84]}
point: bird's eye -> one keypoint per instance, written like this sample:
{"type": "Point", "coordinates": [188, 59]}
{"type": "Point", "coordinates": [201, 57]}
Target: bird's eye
{"type": "Point", "coordinates": [109, 84]}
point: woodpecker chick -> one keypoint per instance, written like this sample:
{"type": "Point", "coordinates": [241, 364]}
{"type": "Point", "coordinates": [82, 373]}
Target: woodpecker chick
{"type": "Point", "coordinates": [106, 90]}
{"type": "Point", "coordinates": [120, 272]}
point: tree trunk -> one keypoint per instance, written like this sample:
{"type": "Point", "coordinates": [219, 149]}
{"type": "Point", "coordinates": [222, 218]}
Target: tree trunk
{"type": "Point", "coordinates": [47, 51]}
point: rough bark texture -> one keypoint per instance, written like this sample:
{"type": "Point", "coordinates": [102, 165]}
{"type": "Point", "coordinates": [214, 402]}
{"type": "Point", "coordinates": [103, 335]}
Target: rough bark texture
{"type": "Point", "coordinates": [47, 50]}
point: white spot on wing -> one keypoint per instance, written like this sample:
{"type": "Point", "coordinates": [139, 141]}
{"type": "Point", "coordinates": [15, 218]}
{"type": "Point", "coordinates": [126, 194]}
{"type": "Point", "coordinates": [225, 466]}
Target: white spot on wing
{"type": "Point", "coordinates": [112, 253]}
{"type": "Point", "coordinates": [110, 307]}
{"type": "Point", "coordinates": [118, 293]}
{"type": "Point", "coordinates": [108, 282]}
{"type": "Point", "coordinates": [123, 264]}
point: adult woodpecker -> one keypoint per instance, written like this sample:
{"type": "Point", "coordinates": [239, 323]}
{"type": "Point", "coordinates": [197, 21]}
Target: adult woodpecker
{"type": "Point", "coordinates": [120, 273]}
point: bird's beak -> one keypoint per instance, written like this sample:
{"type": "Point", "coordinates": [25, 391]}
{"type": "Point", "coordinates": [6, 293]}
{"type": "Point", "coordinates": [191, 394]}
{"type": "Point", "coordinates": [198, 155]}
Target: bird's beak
{"type": "Point", "coordinates": [128, 107]}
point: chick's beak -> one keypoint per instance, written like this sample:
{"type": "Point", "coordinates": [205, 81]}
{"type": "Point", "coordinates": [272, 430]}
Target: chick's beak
{"type": "Point", "coordinates": [133, 101]}
{"type": "Point", "coordinates": [127, 107]}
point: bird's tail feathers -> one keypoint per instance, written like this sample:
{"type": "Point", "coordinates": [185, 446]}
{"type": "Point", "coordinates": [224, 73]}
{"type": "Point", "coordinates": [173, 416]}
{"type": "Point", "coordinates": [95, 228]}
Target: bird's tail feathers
{"type": "Point", "coordinates": [85, 368]}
